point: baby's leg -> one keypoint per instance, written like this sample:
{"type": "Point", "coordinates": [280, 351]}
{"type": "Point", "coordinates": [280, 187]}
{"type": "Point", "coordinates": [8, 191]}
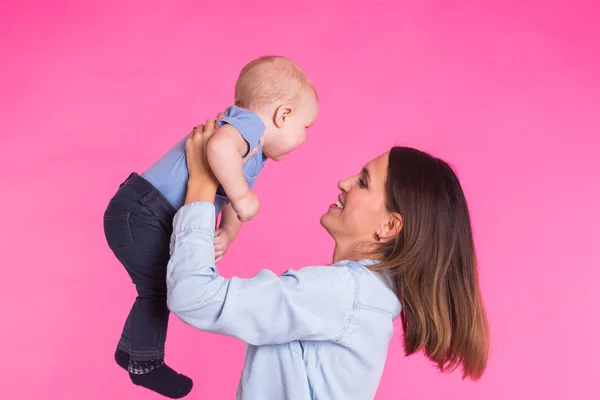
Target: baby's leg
{"type": "Point", "coordinates": [138, 223]}
{"type": "Point", "coordinates": [122, 353]}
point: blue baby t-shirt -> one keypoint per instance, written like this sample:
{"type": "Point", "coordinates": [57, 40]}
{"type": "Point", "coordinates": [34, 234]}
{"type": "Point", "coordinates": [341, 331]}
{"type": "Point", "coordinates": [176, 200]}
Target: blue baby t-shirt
{"type": "Point", "coordinates": [169, 174]}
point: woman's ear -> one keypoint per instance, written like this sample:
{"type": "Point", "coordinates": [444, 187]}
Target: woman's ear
{"type": "Point", "coordinates": [391, 228]}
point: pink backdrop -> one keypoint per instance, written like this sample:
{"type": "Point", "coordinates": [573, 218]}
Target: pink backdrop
{"type": "Point", "coordinates": [507, 91]}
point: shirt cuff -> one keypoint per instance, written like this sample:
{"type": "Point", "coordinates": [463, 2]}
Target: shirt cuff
{"type": "Point", "coordinates": [197, 216]}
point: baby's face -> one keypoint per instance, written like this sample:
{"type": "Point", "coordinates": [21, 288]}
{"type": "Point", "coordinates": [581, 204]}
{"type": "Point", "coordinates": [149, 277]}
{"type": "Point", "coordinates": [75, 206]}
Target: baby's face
{"type": "Point", "coordinates": [293, 133]}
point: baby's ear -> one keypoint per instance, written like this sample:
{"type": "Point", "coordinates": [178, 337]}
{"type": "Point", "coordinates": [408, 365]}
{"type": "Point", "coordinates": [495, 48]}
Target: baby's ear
{"type": "Point", "coordinates": [282, 113]}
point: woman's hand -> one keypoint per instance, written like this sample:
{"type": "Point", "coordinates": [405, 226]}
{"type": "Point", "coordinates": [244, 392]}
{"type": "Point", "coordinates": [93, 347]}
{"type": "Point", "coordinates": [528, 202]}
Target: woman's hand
{"type": "Point", "coordinates": [202, 183]}
{"type": "Point", "coordinates": [195, 148]}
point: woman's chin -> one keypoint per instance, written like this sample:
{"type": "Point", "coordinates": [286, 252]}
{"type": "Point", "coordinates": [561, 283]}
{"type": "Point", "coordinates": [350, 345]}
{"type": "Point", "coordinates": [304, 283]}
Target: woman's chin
{"type": "Point", "coordinates": [328, 219]}
{"type": "Point", "coordinates": [324, 221]}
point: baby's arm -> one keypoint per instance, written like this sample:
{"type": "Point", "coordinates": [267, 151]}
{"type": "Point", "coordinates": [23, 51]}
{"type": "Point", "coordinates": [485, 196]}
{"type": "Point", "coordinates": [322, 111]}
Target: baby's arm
{"type": "Point", "coordinates": [230, 223]}
{"type": "Point", "coordinates": [225, 150]}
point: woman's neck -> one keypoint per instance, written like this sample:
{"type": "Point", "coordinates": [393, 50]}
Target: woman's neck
{"type": "Point", "coordinates": [354, 252]}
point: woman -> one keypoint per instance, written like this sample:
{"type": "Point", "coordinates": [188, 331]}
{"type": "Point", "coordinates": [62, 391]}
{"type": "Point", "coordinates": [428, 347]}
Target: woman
{"type": "Point", "coordinates": [403, 248]}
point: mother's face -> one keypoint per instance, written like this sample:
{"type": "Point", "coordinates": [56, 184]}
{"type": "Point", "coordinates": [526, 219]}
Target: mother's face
{"type": "Point", "coordinates": [360, 209]}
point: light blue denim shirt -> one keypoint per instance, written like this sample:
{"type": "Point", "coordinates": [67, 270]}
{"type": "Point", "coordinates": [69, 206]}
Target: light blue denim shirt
{"type": "Point", "coordinates": [317, 333]}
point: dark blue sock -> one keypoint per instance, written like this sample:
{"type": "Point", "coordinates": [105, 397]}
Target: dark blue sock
{"type": "Point", "coordinates": [160, 378]}
{"type": "Point", "coordinates": [122, 358]}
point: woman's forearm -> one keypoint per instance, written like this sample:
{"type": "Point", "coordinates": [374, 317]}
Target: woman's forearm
{"type": "Point", "coordinates": [201, 188]}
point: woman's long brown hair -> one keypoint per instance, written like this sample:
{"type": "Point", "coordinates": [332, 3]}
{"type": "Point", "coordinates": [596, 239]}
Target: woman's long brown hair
{"type": "Point", "coordinates": [432, 261]}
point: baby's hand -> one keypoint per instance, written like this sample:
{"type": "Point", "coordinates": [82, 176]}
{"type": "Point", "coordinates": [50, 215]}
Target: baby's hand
{"type": "Point", "coordinates": [222, 241]}
{"type": "Point", "coordinates": [247, 207]}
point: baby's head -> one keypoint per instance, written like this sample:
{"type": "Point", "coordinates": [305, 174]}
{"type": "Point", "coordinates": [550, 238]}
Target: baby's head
{"type": "Point", "coordinates": [279, 92]}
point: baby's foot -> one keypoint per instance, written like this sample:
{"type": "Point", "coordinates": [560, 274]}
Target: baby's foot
{"type": "Point", "coordinates": [160, 378]}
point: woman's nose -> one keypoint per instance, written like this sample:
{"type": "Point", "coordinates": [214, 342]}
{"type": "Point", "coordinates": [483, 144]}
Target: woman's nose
{"type": "Point", "coordinates": [344, 184]}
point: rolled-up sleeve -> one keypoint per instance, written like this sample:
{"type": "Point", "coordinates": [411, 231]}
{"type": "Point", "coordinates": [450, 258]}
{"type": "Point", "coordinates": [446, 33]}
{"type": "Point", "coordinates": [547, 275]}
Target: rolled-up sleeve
{"type": "Point", "coordinates": [313, 303]}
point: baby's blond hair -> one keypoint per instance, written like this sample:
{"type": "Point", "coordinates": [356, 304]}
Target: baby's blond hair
{"type": "Point", "coordinates": [268, 81]}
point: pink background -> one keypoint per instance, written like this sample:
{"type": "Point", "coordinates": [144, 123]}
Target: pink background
{"type": "Point", "coordinates": [507, 91]}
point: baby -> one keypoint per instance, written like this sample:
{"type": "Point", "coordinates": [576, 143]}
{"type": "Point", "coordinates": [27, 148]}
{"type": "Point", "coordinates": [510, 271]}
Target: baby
{"type": "Point", "coordinates": [274, 105]}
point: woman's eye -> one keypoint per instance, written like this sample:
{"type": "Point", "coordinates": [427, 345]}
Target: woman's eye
{"type": "Point", "coordinates": [362, 183]}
